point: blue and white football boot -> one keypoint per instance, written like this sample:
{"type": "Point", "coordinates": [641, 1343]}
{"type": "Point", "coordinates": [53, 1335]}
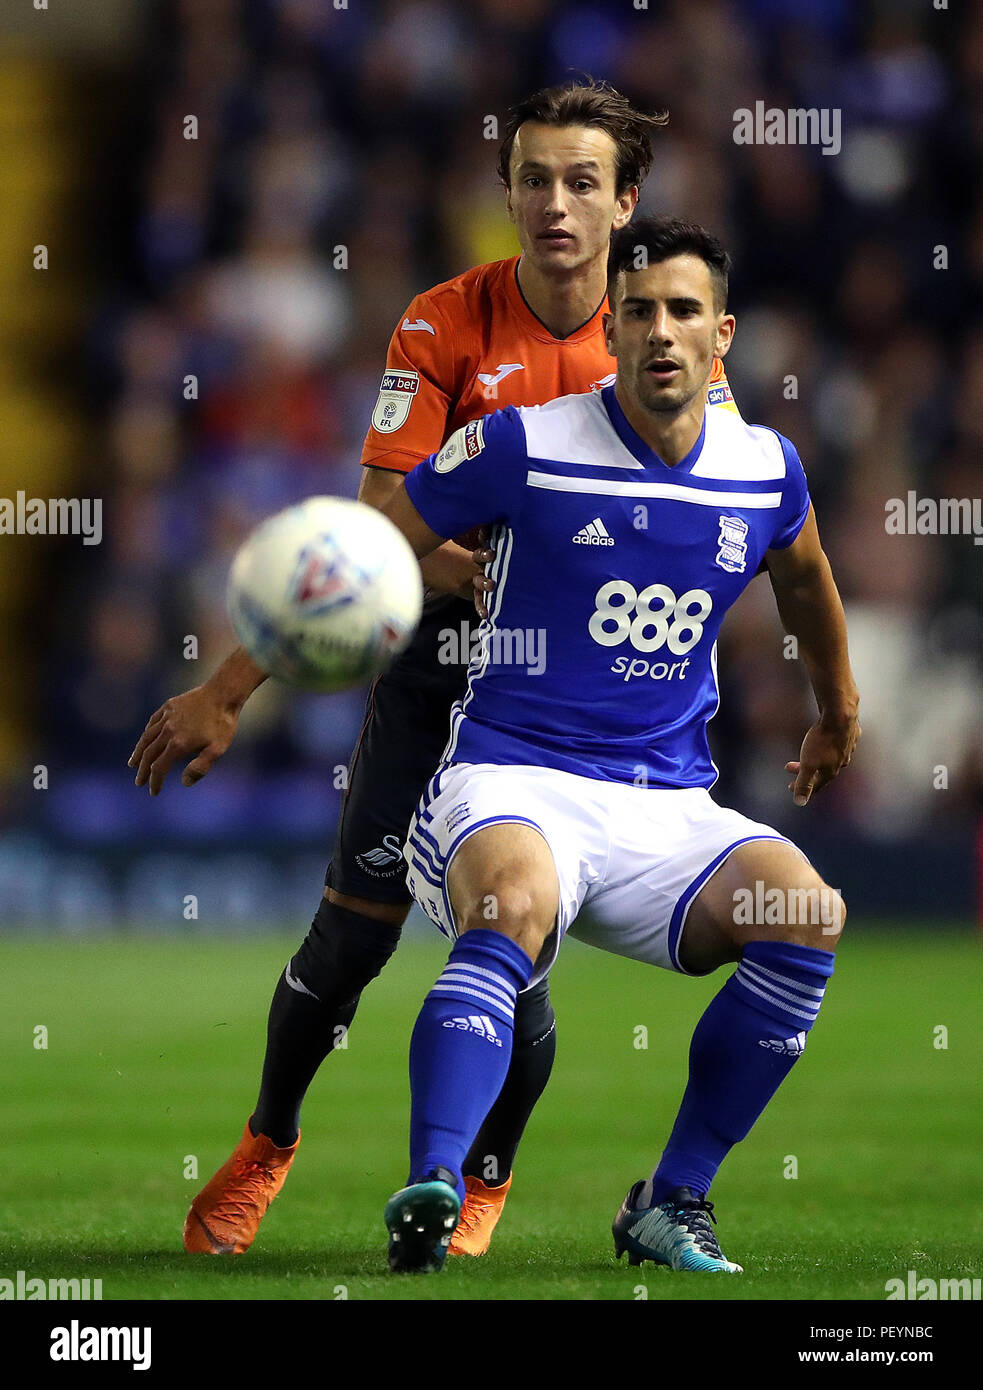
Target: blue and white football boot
{"type": "Point", "coordinates": [677, 1232]}
{"type": "Point", "coordinates": [421, 1219]}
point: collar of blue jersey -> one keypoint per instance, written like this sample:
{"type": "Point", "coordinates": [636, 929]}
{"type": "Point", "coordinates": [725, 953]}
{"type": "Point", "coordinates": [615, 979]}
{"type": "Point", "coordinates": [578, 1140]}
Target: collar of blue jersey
{"type": "Point", "coordinates": [636, 444]}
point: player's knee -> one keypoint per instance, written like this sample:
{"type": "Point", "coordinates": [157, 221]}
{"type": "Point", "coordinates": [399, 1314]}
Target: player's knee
{"type": "Point", "coordinates": [393, 913]}
{"type": "Point", "coordinates": [534, 1016]}
{"type": "Point", "coordinates": [815, 915]}
{"type": "Point", "coordinates": [501, 907]}
{"type": "Point", "coordinates": [343, 951]}
{"type": "Point", "coordinates": [509, 908]}
{"type": "Point", "coordinates": [835, 917]}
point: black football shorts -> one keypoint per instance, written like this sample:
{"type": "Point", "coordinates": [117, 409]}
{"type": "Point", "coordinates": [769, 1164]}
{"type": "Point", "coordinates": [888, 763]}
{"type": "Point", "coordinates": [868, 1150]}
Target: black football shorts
{"type": "Point", "coordinates": [407, 724]}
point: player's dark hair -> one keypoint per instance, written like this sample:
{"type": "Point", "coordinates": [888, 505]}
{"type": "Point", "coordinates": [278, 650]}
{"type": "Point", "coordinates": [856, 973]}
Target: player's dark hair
{"type": "Point", "coordinates": [591, 103]}
{"type": "Point", "coordinates": [650, 240]}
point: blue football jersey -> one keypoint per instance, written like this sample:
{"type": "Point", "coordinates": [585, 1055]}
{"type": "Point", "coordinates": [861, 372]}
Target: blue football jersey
{"type": "Point", "coordinates": [613, 574]}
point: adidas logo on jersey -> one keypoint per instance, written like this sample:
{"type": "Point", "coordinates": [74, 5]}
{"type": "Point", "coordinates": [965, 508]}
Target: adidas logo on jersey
{"type": "Point", "coordinates": [594, 533]}
{"type": "Point", "coordinates": [790, 1047]}
{"type": "Point", "coordinates": [480, 1024]}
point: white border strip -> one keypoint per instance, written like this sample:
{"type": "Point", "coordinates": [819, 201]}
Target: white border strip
{"type": "Point", "coordinates": [702, 497]}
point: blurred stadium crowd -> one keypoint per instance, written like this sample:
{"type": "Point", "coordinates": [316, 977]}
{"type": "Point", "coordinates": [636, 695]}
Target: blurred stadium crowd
{"type": "Point", "coordinates": [341, 164]}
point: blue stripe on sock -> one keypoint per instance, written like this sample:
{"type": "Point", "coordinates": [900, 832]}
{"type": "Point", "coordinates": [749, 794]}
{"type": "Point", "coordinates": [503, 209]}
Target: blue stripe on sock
{"type": "Point", "coordinates": [788, 980]}
{"type": "Point", "coordinates": [768, 996]}
{"type": "Point", "coordinates": [457, 1066]}
{"type": "Point", "coordinates": [479, 979]}
{"type": "Point", "coordinates": [803, 972]}
{"type": "Point", "coordinates": [488, 962]}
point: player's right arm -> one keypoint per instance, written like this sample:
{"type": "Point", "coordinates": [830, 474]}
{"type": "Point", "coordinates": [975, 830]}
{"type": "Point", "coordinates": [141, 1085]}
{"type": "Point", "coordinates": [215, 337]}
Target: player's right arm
{"type": "Point", "coordinates": [199, 724]}
{"type": "Point", "coordinates": [450, 569]}
{"type": "Point", "coordinates": [405, 517]}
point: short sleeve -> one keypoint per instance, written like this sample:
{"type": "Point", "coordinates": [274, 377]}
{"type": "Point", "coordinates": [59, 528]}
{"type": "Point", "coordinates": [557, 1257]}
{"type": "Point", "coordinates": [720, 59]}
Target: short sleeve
{"type": "Point", "coordinates": [477, 478]}
{"type": "Point", "coordinates": [795, 498]}
{"type": "Point", "coordinates": [416, 392]}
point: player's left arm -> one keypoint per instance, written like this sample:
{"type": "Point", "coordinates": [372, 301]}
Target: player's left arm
{"type": "Point", "coordinates": [810, 609]}
{"type": "Point", "coordinates": [405, 517]}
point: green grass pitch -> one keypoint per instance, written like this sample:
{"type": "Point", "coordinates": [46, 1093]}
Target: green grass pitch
{"type": "Point", "coordinates": [153, 1055]}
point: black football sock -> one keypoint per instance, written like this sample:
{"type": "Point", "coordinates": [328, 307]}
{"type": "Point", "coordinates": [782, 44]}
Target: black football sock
{"type": "Point", "coordinates": [492, 1155]}
{"type": "Point", "coordinates": [299, 1035]}
{"type": "Point", "coordinates": [313, 1005]}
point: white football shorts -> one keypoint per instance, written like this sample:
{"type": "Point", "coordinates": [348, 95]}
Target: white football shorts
{"type": "Point", "coordinates": [634, 857]}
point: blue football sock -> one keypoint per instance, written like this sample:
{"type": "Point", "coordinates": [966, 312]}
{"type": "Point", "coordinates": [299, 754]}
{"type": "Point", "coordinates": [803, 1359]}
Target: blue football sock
{"type": "Point", "coordinates": [461, 1048]}
{"type": "Point", "coordinates": [744, 1046]}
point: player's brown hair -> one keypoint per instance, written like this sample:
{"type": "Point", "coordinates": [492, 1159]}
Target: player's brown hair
{"type": "Point", "coordinates": [589, 103]}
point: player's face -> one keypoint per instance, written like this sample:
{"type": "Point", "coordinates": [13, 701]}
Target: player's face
{"type": "Point", "coordinates": [665, 333]}
{"type": "Point", "coordinates": [563, 198]}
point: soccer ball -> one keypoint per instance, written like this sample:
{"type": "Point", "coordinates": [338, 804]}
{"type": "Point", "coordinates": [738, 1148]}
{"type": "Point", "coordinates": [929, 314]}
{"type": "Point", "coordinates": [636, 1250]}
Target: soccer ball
{"type": "Point", "coordinates": [325, 594]}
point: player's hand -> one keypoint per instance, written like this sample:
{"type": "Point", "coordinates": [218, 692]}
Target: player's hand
{"type": "Point", "coordinates": [195, 725]}
{"type": "Point", "coordinates": [825, 751]}
{"type": "Point", "coordinates": [481, 585]}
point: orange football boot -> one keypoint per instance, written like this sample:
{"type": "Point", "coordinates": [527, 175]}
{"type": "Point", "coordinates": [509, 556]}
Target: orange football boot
{"type": "Point", "coordinates": [225, 1216]}
{"type": "Point", "coordinates": [479, 1217]}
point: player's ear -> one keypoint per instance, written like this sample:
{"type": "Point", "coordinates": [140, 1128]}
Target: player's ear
{"type": "Point", "coordinates": [607, 323]}
{"type": "Point", "coordinates": [627, 202]}
{"type": "Point", "coordinates": [725, 335]}
{"type": "Point", "coordinates": [508, 204]}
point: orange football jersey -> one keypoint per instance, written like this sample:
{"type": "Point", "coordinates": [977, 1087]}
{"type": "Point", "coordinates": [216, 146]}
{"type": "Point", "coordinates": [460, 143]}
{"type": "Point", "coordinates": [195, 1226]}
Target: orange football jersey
{"type": "Point", "coordinates": [471, 346]}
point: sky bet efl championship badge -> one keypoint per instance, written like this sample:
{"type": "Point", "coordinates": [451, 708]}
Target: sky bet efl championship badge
{"type": "Point", "coordinates": [463, 444]}
{"type": "Point", "coordinates": [395, 398]}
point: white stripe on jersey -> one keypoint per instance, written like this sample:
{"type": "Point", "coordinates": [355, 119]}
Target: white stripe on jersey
{"type": "Point", "coordinates": [716, 686]}
{"type": "Point", "coordinates": [576, 429]}
{"type": "Point", "coordinates": [500, 541]}
{"type": "Point", "coordinates": [676, 492]}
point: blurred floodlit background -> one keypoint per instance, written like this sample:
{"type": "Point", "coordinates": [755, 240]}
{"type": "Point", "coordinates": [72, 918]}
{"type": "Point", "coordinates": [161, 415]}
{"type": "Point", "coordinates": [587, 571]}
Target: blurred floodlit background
{"type": "Point", "coordinates": [340, 167]}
